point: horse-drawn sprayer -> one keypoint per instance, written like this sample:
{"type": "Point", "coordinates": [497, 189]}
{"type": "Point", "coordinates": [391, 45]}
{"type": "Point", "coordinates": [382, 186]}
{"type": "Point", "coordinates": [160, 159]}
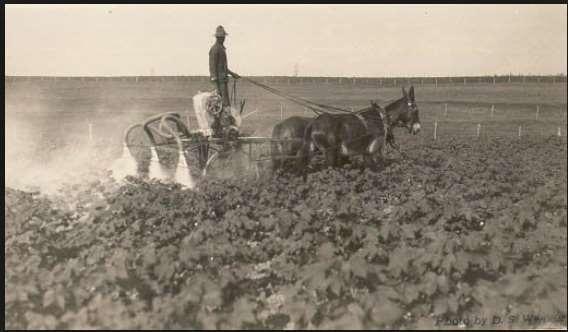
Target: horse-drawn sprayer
{"type": "Point", "coordinates": [164, 147]}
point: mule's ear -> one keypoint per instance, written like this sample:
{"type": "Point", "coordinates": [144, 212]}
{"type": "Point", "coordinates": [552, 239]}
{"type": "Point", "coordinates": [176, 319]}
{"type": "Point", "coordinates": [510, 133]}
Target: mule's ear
{"type": "Point", "coordinates": [404, 92]}
{"type": "Point", "coordinates": [411, 92]}
{"type": "Point", "coordinates": [373, 103]}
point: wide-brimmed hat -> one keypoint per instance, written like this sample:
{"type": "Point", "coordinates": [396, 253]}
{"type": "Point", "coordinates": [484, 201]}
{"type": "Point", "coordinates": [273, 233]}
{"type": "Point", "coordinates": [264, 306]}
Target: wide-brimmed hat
{"type": "Point", "coordinates": [220, 32]}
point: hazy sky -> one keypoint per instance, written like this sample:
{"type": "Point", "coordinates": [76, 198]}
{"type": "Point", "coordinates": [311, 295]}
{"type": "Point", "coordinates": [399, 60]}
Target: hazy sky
{"type": "Point", "coordinates": [324, 40]}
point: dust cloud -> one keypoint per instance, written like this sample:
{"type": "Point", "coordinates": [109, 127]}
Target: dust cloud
{"type": "Point", "coordinates": [46, 150]}
{"type": "Point", "coordinates": [40, 159]}
{"type": "Point", "coordinates": [33, 163]}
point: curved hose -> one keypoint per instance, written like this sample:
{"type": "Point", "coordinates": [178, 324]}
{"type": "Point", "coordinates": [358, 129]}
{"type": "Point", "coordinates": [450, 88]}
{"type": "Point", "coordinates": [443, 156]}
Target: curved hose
{"type": "Point", "coordinates": [155, 118]}
{"type": "Point", "coordinates": [162, 124]}
{"type": "Point", "coordinates": [173, 133]}
{"type": "Point", "coordinates": [128, 130]}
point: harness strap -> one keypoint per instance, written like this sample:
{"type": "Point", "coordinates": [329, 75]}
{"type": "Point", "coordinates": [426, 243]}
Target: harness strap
{"type": "Point", "coordinates": [362, 120]}
{"type": "Point", "coordinates": [388, 126]}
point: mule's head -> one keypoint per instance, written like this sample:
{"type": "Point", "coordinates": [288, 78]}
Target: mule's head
{"type": "Point", "coordinates": [407, 115]}
{"type": "Point", "coordinates": [412, 117]}
{"type": "Point", "coordinates": [375, 106]}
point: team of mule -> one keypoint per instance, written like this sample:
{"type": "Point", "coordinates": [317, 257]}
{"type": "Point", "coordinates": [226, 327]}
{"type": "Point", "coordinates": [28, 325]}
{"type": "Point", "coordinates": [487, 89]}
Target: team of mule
{"type": "Point", "coordinates": [340, 136]}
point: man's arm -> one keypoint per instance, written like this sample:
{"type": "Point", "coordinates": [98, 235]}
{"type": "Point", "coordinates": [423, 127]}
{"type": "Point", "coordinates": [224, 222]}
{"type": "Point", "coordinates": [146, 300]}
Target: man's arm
{"type": "Point", "coordinates": [235, 75]}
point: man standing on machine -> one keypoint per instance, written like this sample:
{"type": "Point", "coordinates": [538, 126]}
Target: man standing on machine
{"type": "Point", "coordinates": [219, 73]}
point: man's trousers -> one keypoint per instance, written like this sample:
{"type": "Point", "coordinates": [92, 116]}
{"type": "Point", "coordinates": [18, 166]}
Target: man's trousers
{"type": "Point", "coordinates": [223, 90]}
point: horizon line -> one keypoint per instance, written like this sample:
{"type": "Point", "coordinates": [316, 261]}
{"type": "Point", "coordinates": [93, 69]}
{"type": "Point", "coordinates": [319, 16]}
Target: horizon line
{"type": "Point", "coordinates": [292, 76]}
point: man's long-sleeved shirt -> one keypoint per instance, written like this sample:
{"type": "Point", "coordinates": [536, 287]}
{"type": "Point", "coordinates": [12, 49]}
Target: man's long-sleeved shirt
{"type": "Point", "coordinates": [218, 68]}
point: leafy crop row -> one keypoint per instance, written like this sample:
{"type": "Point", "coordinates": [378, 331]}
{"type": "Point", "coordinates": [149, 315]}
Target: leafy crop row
{"type": "Point", "coordinates": [459, 229]}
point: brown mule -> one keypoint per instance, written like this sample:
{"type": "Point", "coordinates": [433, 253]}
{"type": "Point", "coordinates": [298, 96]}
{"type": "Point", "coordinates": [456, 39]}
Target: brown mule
{"type": "Point", "coordinates": [344, 135]}
{"type": "Point", "coordinates": [292, 128]}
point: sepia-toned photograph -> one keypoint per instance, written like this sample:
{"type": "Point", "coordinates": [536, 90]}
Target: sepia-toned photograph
{"type": "Point", "coordinates": [285, 166]}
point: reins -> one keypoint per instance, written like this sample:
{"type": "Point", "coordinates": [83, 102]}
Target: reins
{"type": "Point", "coordinates": [313, 106]}
{"type": "Point", "coordinates": [317, 108]}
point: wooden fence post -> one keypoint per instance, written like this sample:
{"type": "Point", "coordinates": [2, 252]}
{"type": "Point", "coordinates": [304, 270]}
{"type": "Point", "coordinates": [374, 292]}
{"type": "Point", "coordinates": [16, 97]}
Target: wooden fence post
{"type": "Point", "coordinates": [464, 81]}
{"type": "Point", "coordinates": [478, 129]}
{"type": "Point", "coordinates": [281, 111]}
{"type": "Point", "coordinates": [520, 131]}
{"type": "Point", "coordinates": [492, 111]}
{"type": "Point", "coordinates": [537, 111]}
{"type": "Point", "coordinates": [446, 109]}
{"type": "Point", "coordinates": [493, 80]}
{"type": "Point", "coordinates": [435, 129]}
{"type": "Point", "coordinates": [559, 132]}
{"type": "Point", "coordinates": [436, 82]}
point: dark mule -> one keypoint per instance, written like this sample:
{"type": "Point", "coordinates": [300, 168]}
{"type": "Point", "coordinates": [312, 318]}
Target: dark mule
{"type": "Point", "coordinates": [363, 132]}
{"type": "Point", "coordinates": [344, 135]}
{"type": "Point", "coordinates": [290, 128]}
{"type": "Point", "coordinates": [403, 113]}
